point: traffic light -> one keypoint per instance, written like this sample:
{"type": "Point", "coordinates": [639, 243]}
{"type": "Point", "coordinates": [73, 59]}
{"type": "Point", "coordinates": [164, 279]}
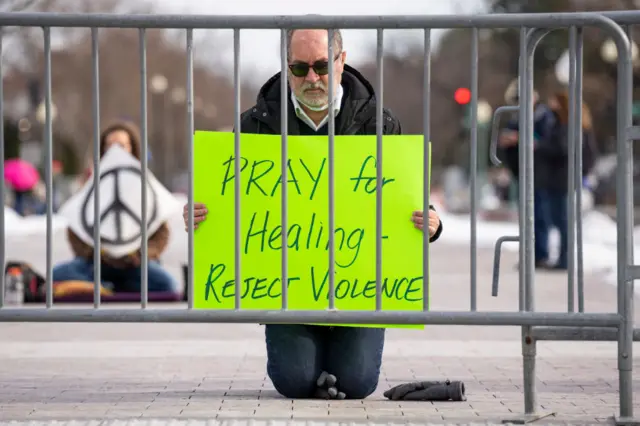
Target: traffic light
{"type": "Point", "coordinates": [462, 95]}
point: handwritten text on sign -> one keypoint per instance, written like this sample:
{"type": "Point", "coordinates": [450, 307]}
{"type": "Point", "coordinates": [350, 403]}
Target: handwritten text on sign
{"type": "Point", "coordinates": [308, 235]}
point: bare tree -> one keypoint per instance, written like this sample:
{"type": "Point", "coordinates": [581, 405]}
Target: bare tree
{"type": "Point", "coordinates": [498, 66]}
{"type": "Point", "coordinates": [120, 87]}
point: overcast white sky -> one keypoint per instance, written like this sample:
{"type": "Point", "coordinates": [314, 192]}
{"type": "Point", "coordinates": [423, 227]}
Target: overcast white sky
{"type": "Point", "coordinates": [260, 48]}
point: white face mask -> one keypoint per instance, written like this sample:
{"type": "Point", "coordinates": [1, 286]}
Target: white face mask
{"type": "Point", "coordinates": [316, 101]}
{"type": "Point", "coordinates": [312, 107]}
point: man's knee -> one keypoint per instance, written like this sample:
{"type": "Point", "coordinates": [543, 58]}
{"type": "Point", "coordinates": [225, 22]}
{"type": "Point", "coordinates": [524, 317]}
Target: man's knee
{"type": "Point", "coordinates": [358, 386]}
{"type": "Point", "coordinates": [356, 359]}
{"type": "Point", "coordinates": [292, 381]}
{"type": "Point", "coordinates": [292, 360]}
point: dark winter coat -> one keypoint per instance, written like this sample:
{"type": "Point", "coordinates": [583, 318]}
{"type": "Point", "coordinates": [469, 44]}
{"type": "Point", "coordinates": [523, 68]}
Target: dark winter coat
{"type": "Point", "coordinates": [357, 113]}
{"type": "Point", "coordinates": [551, 152]}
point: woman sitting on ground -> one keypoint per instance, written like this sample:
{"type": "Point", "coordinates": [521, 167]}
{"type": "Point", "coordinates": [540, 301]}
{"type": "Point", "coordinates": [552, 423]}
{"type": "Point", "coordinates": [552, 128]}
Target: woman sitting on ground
{"type": "Point", "coordinates": [120, 274]}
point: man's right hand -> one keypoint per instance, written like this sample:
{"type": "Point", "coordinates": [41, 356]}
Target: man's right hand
{"type": "Point", "coordinates": [199, 214]}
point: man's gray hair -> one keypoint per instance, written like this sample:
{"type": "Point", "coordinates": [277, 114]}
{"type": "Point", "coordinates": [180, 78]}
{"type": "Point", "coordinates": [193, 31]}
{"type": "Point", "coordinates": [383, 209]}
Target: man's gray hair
{"type": "Point", "coordinates": [337, 42]}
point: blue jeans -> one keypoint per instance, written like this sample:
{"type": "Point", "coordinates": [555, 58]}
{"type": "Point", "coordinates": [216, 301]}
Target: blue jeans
{"type": "Point", "coordinates": [297, 355]}
{"type": "Point", "coordinates": [550, 211]}
{"type": "Point", "coordinates": [120, 280]}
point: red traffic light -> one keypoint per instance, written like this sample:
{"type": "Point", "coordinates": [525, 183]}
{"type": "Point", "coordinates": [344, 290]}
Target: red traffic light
{"type": "Point", "coordinates": [462, 95]}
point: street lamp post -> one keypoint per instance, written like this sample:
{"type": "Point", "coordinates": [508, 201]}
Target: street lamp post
{"type": "Point", "coordinates": [485, 115]}
{"type": "Point", "coordinates": [32, 151]}
{"type": "Point", "coordinates": [41, 113]}
{"type": "Point", "coordinates": [159, 85]}
{"type": "Point", "coordinates": [177, 97]}
{"type": "Point", "coordinates": [37, 152]}
{"type": "Point", "coordinates": [609, 52]}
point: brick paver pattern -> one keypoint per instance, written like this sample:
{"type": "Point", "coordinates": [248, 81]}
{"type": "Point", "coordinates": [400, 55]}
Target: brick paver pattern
{"type": "Point", "coordinates": [217, 371]}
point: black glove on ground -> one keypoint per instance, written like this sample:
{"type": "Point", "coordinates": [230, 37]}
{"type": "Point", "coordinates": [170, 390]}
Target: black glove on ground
{"type": "Point", "coordinates": [327, 387]}
{"type": "Point", "coordinates": [427, 391]}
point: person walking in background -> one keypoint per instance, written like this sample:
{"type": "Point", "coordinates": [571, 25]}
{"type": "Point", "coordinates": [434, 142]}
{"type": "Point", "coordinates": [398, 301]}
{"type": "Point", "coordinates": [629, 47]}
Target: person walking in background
{"type": "Point", "coordinates": [551, 171]}
{"type": "Point", "coordinates": [554, 202]}
{"type": "Point", "coordinates": [544, 134]}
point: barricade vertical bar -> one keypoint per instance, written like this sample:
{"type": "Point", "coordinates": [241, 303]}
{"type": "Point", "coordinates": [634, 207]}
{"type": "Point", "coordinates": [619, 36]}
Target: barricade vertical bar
{"type": "Point", "coordinates": [474, 170]}
{"type": "Point", "coordinates": [578, 170]}
{"type": "Point", "coordinates": [284, 151]}
{"type": "Point", "coordinates": [379, 131]}
{"type": "Point", "coordinates": [426, 121]}
{"type": "Point", "coordinates": [2, 195]}
{"type": "Point", "coordinates": [526, 145]}
{"type": "Point", "coordinates": [571, 185]}
{"type": "Point", "coordinates": [144, 284]}
{"type": "Point", "coordinates": [628, 33]}
{"type": "Point", "coordinates": [624, 221]}
{"type": "Point", "coordinates": [48, 138]}
{"type": "Point", "coordinates": [236, 166]}
{"type": "Point", "coordinates": [190, 133]}
{"type": "Point", "coordinates": [331, 159]}
{"type": "Point", "coordinates": [95, 46]}
{"type": "Point", "coordinates": [522, 114]}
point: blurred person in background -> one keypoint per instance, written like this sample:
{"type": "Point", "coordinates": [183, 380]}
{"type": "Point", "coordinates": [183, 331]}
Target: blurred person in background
{"type": "Point", "coordinates": [554, 203]}
{"type": "Point", "coordinates": [545, 135]}
{"type": "Point", "coordinates": [501, 180]}
{"type": "Point", "coordinates": [120, 274]}
{"type": "Point", "coordinates": [9, 198]}
{"type": "Point", "coordinates": [23, 180]}
{"type": "Point", "coordinates": [551, 168]}
{"type": "Point", "coordinates": [302, 358]}
{"type": "Point", "coordinates": [31, 202]}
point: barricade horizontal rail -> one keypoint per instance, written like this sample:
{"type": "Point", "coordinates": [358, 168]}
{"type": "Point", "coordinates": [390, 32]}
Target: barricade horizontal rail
{"type": "Point", "coordinates": [601, 334]}
{"type": "Point", "coordinates": [536, 325]}
{"type": "Point", "coordinates": [248, 22]}
{"type": "Point", "coordinates": [319, 317]}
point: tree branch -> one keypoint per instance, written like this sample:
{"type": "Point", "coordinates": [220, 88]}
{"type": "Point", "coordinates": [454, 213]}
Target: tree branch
{"type": "Point", "coordinates": [16, 5]}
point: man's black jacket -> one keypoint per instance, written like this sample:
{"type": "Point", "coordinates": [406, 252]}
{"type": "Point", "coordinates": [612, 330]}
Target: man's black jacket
{"type": "Point", "coordinates": [357, 113]}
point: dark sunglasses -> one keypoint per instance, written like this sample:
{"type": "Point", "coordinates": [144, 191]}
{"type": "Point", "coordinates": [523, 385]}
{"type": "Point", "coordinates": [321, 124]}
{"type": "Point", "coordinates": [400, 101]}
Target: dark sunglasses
{"type": "Point", "coordinates": [300, 69]}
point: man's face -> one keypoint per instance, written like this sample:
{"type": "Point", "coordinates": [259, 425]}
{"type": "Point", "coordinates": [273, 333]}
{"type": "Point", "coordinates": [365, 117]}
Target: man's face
{"type": "Point", "coordinates": [309, 52]}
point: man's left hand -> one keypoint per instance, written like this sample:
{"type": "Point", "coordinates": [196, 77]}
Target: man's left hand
{"type": "Point", "coordinates": [433, 222]}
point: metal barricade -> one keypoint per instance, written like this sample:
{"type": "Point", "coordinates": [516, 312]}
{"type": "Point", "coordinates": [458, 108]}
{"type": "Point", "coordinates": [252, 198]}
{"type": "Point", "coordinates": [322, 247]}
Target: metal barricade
{"type": "Point", "coordinates": [535, 325]}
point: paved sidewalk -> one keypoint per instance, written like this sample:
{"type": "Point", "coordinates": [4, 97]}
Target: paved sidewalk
{"type": "Point", "coordinates": [217, 372]}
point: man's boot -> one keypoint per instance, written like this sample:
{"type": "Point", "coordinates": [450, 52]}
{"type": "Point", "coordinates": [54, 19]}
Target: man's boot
{"type": "Point", "coordinates": [327, 387]}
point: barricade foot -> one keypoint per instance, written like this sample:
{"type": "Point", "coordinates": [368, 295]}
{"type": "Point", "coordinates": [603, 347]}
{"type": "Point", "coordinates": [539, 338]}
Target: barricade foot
{"type": "Point", "coordinates": [626, 421]}
{"type": "Point", "coordinates": [524, 419]}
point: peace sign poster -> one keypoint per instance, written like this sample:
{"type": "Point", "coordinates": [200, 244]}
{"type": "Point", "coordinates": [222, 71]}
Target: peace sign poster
{"type": "Point", "coordinates": [308, 222]}
{"type": "Point", "coordinates": [120, 205]}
